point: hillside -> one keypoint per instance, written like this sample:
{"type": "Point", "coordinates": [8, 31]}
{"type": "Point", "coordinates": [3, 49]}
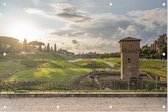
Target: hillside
{"type": "Point", "coordinates": [39, 67]}
{"type": "Point", "coordinates": [153, 66]}
{"type": "Point", "coordinates": [61, 68]}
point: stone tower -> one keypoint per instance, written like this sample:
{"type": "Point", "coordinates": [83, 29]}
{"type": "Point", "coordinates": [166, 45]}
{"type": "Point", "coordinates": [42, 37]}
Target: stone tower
{"type": "Point", "coordinates": [129, 48]}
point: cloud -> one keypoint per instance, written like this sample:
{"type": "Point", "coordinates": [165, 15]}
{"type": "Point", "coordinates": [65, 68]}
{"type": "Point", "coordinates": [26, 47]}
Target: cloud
{"type": "Point", "coordinates": [70, 13]}
{"type": "Point", "coordinates": [36, 1]}
{"type": "Point", "coordinates": [68, 33]}
{"type": "Point", "coordinates": [101, 32]}
{"type": "Point", "coordinates": [104, 30]}
{"type": "Point", "coordinates": [76, 44]}
{"type": "Point", "coordinates": [37, 12]}
{"type": "Point", "coordinates": [63, 11]}
{"type": "Point", "coordinates": [149, 18]}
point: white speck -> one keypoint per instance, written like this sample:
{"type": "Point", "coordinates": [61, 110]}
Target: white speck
{"type": "Point", "coordinates": [164, 106]}
{"type": "Point", "coordinates": [164, 54]}
{"type": "Point", "coordinates": [57, 106]}
{"type": "Point", "coordinates": [4, 106]}
{"type": "Point", "coordinates": [4, 54]}
{"type": "Point", "coordinates": [4, 4]}
{"type": "Point", "coordinates": [111, 106]}
{"type": "Point", "coordinates": [110, 4]}
{"type": "Point", "coordinates": [164, 4]}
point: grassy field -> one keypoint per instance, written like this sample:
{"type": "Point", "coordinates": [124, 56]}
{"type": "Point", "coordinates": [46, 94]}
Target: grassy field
{"type": "Point", "coordinates": [155, 67]}
{"type": "Point", "coordinates": [54, 67]}
{"type": "Point", "coordinates": [152, 66]}
{"type": "Point", "coordinates": [54, 74]}
{"type": "Point", "coordinates": [59, 67]}
{"type": "Point", "coordinates": [7, 67]}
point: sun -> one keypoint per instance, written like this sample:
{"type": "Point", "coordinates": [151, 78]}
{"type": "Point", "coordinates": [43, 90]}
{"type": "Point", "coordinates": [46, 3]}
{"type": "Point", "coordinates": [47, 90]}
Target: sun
{"type": "Point", "coordinates": [22, 30]}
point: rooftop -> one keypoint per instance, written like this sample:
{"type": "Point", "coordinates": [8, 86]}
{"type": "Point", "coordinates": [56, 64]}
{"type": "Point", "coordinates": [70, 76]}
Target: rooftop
{"type": "Point", "coordinates": [130, 39]}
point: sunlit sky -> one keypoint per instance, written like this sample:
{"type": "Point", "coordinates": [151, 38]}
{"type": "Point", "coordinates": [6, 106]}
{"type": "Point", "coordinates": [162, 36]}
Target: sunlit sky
{"type": "Point", "coordinates": [83, 25]}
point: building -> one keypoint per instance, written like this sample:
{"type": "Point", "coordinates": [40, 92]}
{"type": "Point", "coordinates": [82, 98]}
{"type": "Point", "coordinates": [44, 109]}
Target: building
{"type": "Point", "coordinates": [88, 55]}
{"type": "Point", "coordinates": [159, 44]}
{"type": "Point", "coordinates": [63, 51]}
{"type": "Point", "coordinates": [129, 48]}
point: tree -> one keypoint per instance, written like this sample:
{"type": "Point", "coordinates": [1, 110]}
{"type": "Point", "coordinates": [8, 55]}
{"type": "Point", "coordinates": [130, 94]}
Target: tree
{"type": "Point", "coordinates": [7, 44]}
{"type": "Point", "coordinates": [48, 47]}
{"type": "Point", "coordinates": [45, 49]}
{"type": "Point", "coordinates": [25, 45]}
{"type": "Point", "coordinates": [18, 47]}
{"type": "Point", "coordinates": [37, 45]}
{"type": "Point", "coordinates": [55, 48]}
{"type": "Point", "coordinates": [165, 49]}
{"type": "Point", "coordinates": [25, 42]}
{"type": "Point", "coordinates": [51, 49]}
{"type": "Point", "coordinates": [40, 48]}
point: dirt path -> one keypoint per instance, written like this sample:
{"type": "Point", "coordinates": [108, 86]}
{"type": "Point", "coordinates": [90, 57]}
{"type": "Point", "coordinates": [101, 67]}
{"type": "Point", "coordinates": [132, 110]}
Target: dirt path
{"type": "Point", "coordinates": [110, 64]}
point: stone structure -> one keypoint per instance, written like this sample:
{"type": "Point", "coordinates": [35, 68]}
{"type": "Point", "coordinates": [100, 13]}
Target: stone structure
{"type": "Point", "coordinates": [129, 48]}
{"type": "Point", "coordinates": [159, 44]}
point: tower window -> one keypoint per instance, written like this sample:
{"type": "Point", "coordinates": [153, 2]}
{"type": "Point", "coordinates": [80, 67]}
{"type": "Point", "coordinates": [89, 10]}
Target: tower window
{"type": "Point", "coordinates": [129, 60]}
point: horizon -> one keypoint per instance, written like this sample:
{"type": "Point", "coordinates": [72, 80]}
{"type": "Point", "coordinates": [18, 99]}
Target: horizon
{"type": "Point", "coordinates": [84, 26]}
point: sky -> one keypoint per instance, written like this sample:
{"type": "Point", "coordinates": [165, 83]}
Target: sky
{"type": "Point", "coordinates": [84, 25]}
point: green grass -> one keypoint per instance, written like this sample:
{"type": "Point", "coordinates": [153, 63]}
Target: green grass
{"type": "Point", "coordinates": [32, 62]}
{"type": "Point", "coordinates": [94, 63]}
{"type": "Point", "coordinates": [163, 69]}
{"type": "Point", "coordinates": [116, 61]}
{"type": "Point", "coordinates": [20, 62]}
{"type": "Point", "coordinates": [54, 67]}
{"type": "Point", "coordinates": [58, 67]}
{"type": "Point", "coordinates": [155, 71]}
{"type": "Point", "coordinates": [150, 64]}
{"type": "Point", "coordinates": [154, 67]}
{"type": "Point", "coordinates": [54, 74]}
{"type": "Point", "coordinates": [7, 67]}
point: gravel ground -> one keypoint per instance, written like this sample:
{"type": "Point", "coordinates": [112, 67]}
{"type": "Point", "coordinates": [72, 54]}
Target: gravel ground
{"type": "Point", "coordinates": [61, 104]}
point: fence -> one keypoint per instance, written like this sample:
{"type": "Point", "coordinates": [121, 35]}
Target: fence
{"type": "Point", "coordinates": [28, 86]}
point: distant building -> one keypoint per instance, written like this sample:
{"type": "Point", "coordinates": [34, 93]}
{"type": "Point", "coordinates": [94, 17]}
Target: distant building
{"type": "Point", "coordinates": [88, 55]}
{"type": "Point", "coordinates": [159, 44]}
{"type": "Point", "coordinates": [62, 51]}
{"type": "Point", "coordinates": [129, 48]}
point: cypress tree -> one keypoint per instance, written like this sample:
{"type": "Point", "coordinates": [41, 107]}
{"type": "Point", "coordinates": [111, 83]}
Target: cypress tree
{"type": "Point", "coordinates": [48, 47]}
{"type": "Point", "coordinates": [55, 48]}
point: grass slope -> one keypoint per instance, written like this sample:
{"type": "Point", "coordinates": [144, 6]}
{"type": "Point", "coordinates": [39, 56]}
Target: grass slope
{"type": "Point", "coordinates": [58, 67]}
{"type": "Point", "coordinates": [55, 67]}
{"type": "Point", "coordinates": [7, 67]}
{"type": "Point", "coordinates": [154, 67]}
{"type": "Point", "coordinates": [53, 74]}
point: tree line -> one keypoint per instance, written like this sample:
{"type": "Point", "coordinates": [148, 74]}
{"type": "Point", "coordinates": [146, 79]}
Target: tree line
{"type": "Point", "coordinates": [12, 45]}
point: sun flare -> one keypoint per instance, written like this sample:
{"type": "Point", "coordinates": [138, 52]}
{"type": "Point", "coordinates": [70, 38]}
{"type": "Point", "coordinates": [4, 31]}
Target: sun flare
{"type": "Point", "coordinates": [24, 30]}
